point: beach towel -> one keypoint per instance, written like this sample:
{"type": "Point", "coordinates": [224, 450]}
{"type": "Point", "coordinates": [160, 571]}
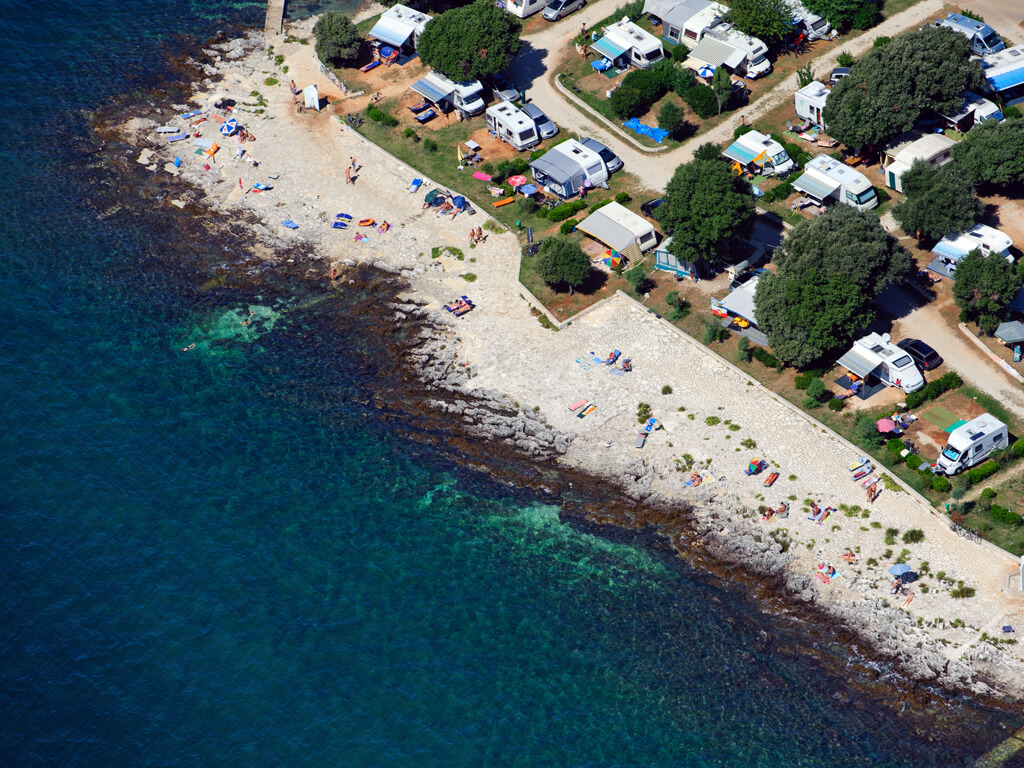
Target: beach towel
{"type": "Point", "coordinates": [481, 176]}
{"type": "Point", "coordinates": [824, 578]}
{"type": "Point", "coordinates": [586, 411]}
{"type": "Point", "coordinates": [618, 372]}
{"type": "Point", "coordinates": [641, 439]}
{"type": "Point", "coordinates": [369, 66]}
{"type": "Point", "coordinates": [415, 185]}
{"type": "Point", "coordinates": [579, 404]}
{"type": "Point", "coordinates": [587, 361]}
{"type": "Point", "coordinates": [290, 224]}
{"type": "Point", "coordinates": [955, 425]}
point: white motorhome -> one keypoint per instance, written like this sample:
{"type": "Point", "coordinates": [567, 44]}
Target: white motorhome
{"type": "Point", "coordinates": [810, 103]}
{"type": "Point", "coordinates": [755, 152]}
{"type": "Point", "coordinates": [934, 148]}
{"type": "Point", "coordinates": [973, 109]}
{"type": "Point", "coordinates": [740, 53]}
{"type": "Point", "coordinates": [625, 44]}
{"type": "Point", "coordinates": [875, 356]}
{"type": "Point", "coordinates": [984, 39]}
{"type": "Point", "coordinates": [972, 443]}
{"type": "Point", "coordinates": [524, 8]}
{"type": "Point", "coordinates": [400, 26]}
{"type": "Point", "coordinates": [467, 97]}
{"type": "Point", "coordinates": [512, 125]}
{"type": "Point", "coordinates": [826, 178]}
{"type": "Point", "coordinates": [810, 25]}
{"type": "Point", "coordinates": [980, 237]}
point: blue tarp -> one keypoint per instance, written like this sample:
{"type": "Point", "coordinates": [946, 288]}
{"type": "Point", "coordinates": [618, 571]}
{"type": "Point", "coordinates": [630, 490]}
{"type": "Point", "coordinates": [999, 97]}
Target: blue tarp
{"type": "Point", "coordinates": [658, 134]}
{"type": "Point", "coordinates": [1006, 80]}
{"type": "Point", "coordinates": [607, 48]}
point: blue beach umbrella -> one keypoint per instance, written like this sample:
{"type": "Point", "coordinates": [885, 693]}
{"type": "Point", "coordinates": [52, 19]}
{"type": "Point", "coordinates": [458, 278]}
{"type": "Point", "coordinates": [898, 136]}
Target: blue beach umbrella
{"type": "Point", "coordinates": [706, 71]}
{"type": "Point", "coordinates": [899, 569]}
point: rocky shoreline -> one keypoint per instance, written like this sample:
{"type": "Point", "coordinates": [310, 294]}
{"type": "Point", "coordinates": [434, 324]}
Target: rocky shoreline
{"type": "Point", "coordinates": [717, 523]}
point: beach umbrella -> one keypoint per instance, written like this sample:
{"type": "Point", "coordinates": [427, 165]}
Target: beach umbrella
{"type": "Point", "coordinates": [899, 569]}
{"type": "Point", "coordinates": [528, 189]}
{"type": "Point", "coordinates": [517, 181]}
{"type": "Point", "coordinates": [706, 71]}
{"type": "Point", "coordinates": [459, 202]}
{"type": "Point", "coordinates": [229, 127]}
{"type": "Point", "coordinates": [612, 258]}
{"type": "Point", "coordinates": [885, 425]}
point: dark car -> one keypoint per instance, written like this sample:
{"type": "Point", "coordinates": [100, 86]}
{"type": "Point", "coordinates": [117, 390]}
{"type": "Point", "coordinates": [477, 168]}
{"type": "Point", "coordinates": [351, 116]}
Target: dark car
{"type": "Point", "coordinates": [647, 209]}
{"type": "Point", "coordinates": [613, 161]}
{"type": "Point", "coordinates": [925, 357]}
{"type": "Point", "coordinates": [838, 74]}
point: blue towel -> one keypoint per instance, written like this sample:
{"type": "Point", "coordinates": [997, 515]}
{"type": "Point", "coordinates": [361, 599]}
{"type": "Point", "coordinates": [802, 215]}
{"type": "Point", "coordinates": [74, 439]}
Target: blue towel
{"type": "Point", "coordinates": [290, 224]}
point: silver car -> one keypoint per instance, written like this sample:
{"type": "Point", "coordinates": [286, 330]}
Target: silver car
{"type": "Point", "coordinates": [558, 9]}
{"type": "Point", "coordinates": [545, 128]}
{"type": "Point", "coordinates": [613, 161]}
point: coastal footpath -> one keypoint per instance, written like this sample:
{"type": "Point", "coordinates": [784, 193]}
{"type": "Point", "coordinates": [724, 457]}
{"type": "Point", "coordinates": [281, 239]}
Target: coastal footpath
{"type": "Point", "coordinates": [514, 379]}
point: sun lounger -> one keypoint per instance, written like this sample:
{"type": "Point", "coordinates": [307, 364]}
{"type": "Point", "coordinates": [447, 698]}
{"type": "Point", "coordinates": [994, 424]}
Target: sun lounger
{"type": "Point", "coordinates": [641, 439]}
{"type": "Point", "coordinates": [770, 480]}
{"type": "Point", "coordinates": [187, 115]}
{"type": "Point", "coordinates": [869, 481]}
{"type": "Point", "coordinates": [858, 463]}
{"type": "Point", "coordinates": [426, 116]}
{"type": "Point", "coordinates": [650, 425]}
{"type": "Point", "coordinates": [586, 411]}
{"type": "Point", "coordinates": [578, 404]}
{"type": "Point", "coordinates": [862, 472]}
{"type": "Point", "coordinates": [504, 201]}
{"type": "Point", "coordinates": [610, 360]}
{"type": "Point", "coordinates": [481, 176]}
{"type": "Point", "coordinates": [431, 197]}
{"type": "Point", "coordinates": [416, 108]}
{"type": "Point", "coordinates": [290, 224]}
{"type": "Point", "coordinates": [414, 187]}
{"type": "Point", "coordinates": [179, 137]}
{"type": "Point", "coordinates": [260, 187]}
{"type": "Point", "coordinates": [369, 66]}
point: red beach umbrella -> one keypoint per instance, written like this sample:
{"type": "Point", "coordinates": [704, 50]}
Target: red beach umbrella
{"type": "Point", "coordinates": [517, 181]}
{"type": "Point", "coordinates": [885, 425]}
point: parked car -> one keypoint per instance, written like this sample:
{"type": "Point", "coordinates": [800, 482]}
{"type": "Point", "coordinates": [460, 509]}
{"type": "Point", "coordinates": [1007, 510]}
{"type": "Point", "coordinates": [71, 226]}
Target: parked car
{"type": "Point", "coordinates": [613, 161]}
{"type": "Point", "coordinates": [501, 89]}
{"type": "Point", "coordinates": [740, 95]}
{"type": "Point", "coordinates": [558, 9]}
{"type": "Point", "coordinates": [744, 277]}
{"type": "Point", "coordinates": [545, 128]}
{"type": "Point", "coordinates": [925, 357]}
{"type": "Point", "coordinates": [838, 74]}
{"type": "Point", "coordinates": [647, 208]}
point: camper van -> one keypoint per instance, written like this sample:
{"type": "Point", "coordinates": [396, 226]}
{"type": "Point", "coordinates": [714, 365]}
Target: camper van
{"type": "Point", "coordinates": [567, 167]}
{"type": "Point", "coordinates": [756, 153]}
{"type": "Point", "coordinates": [826, 178]}
{"type": "Point", "coordinates": [524, 8]}
{"type": "Point", "coordinates": [874, 355]}
{"type": "Point", "coordinates": [981, 237]}
{"type": "Point", "coordinates": [625, 44]}
{"type": "Point", "coordinates": [984, 39]}
{"type": "Point", "coordinates": [810, 103]}
{"type": "Point", "coordinates": [754, 61]}
{"type": "Point", "coordinates": [808, 24]}
{"type": "Point", "coordinates": [972, 443]}
{"type": "Point", "coordinates": [466, 97]}
{"type": "Point", "coordinates": [512, 125]}
{"type": "Point", "coordinates": [973, 109]}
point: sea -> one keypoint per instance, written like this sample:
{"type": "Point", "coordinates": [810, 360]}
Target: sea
{"type": "Point", "coordinates": [248, 554]}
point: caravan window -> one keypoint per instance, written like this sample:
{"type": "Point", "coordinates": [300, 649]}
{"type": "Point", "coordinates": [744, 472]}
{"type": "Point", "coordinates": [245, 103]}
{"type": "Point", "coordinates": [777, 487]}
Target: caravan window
{"type": "Point", "coordinates": [527, 135]}
{"type": "Point", "coordinates": [594, 169]}
{"type": "Point", "coordinates": [673, 33]}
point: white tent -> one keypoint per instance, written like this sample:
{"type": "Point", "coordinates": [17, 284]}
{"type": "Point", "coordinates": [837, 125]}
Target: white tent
{"type": "Point", "coordinates": [312, 97]}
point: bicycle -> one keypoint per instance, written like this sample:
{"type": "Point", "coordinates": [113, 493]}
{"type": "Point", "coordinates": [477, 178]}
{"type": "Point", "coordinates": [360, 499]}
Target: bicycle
{"type": "Point", "coordinates": [354, 119]}
{"type": "Point", "coordinates": [968, 533]}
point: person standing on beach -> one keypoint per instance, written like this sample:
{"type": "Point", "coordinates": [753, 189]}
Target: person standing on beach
{"type": "Point", "coordinates": [348, 176]}
{"type": "Point", "coordinates": [352, 163]}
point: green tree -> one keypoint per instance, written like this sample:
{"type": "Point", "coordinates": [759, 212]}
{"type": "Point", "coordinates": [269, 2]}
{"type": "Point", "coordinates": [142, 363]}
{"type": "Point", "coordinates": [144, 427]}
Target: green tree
{"type": "Point", "coordinates": [840, 13]}
{"type": "Point", "coordinates": [805, 75]}
{"type": "Point", "coordinates": [721, 84]}
{"type": "Point", "coordinates": [984, 286]}
{"type": "Point", "coordinates": [469, 42]}
{"type": "Point", "coordinates": [701, 99]}
{"type": "Point", "coordinates": [888, 89]}
{"type": "Point", "coordinates": [705, 204]}
{"type": "Point", "coordinates": [337, 39]}
{"type": "Point", "coordinates": [769, 20]}
{"type": "Point", "coordinates": [671, 117]}
{"type": "Point", "coordinates": [940, 201]}
{"type": "Point", "coordinates": [829, 271]}
{"type": "Point", "coordinates": [560, 261]}
{"type": "Point", "coordinates": [992, 152]}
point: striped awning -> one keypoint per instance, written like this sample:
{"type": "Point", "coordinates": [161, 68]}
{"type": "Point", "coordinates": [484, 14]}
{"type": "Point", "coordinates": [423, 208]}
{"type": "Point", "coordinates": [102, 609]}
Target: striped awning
{"type": "Point", "coordinates": [855, 362]}
{"type": "Point", "coordinates": [1006, 80]}
{"type": "Point", "coordinates": [817, 188]}
{"type": "Point", "coordinates": [607, 48]}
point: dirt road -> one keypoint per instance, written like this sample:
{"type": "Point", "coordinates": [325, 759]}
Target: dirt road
{"type": "Point", "coordinates": [543, 52]}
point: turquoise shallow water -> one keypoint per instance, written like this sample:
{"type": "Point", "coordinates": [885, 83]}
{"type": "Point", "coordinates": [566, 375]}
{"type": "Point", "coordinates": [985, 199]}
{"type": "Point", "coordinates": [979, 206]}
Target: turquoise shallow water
{"type": "Point", "coordinates": [223, 557]}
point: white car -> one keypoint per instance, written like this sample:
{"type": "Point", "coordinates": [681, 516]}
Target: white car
{"type": "Point", "coordinates": [558, 9]}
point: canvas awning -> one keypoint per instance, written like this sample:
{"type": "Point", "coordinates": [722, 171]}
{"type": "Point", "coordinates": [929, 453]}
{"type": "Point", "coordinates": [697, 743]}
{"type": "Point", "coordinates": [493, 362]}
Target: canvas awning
{"type": "Point", "coordinates": [607, 48]}
{"type": "Point", "coordinates": [856, 363]}
{"type": "Point", "coordinates": [1006, 80]}
{"type": "Point", "coordinates": [716, 53]}
{"type": "Point", "coordinates": [1010, 333]}
{"type": "Point", "coordinates": [430, 90]}
{"type": "Point", "coordinates": [391, 31]}
{"type": "Point", "coordinates": [607, 231]}
{"type": "Point", "coordinates": [741, 301]}
{"type": "Point", "coordinates": [819, 189]}
{"type": "Point", "coordinates": [745, 156]}
{"type": "Point", "coordinates": [948, 249]}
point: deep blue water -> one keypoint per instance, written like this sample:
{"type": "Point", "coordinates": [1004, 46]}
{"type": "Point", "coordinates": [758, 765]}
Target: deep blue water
{"type": "Point", "coordinates": [225, 558]}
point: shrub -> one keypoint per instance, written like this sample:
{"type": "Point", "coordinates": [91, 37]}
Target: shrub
{"type": "Point", "coordinates": [960, 591]}
{"type": "Point", "coordinates": [567, 227]}
{"type": "Point", "coordinates": [374, 114]}
{"type": "Point", "coordinates": [845, 59]}
{"type": "Point", "coordinates": [622, 198]}
{"type": "Point", "coordinates": [714, 332]}
{"type": "Point", "coordinates": [666, 390]}
{"type": "Point", "coordinates": [743, 349]}
{"type": "Point", "coordinates": [643, 413]}
{"type": "Point", "coordinates": [741, 130]}
{"type": "Point", "coordinates": [895, 446]}
{"type": "Point", "coordinates": [913, 536]}
{"type": "Point", "coordinates": [816, 389]}
{"type": "Point", "coordinates": [1018, 449]}
{"type": "Point", "coordinates": [913, 461]}
{"type": "Point", "coordinates": [988, 493]}
{"type": "Point", "coordinates": [835, 404]}
{"type": "Point", "coordinates": [782, 190]}
{"type": "Point", "coordinates": [940, 484]}
{"type": "Point", "coordinates": [637, 92]}
{"type": "Point", "coordinates": [891, 534]}
{"type": "Point", "coordinates": [712, 421]}
{"type": "Point", "coordinates": [680, 53]}
{"type": "Point", "coordinates": [1012, 113]}
{"type": "Point", "coordinates": [866, 432]}
{"type": "Point", "coordinates": [527, 204]}
{"type": "Point", "coordinates": [600, 204]}
{"type": "Point", "coordinates": [804, 379]}
{"type": "Point", "coordinates": [409, 132]}
{"type": "Point", "coordinates": [766, 358]}
{"type": "Point", "coordinates": [270, 81]}
{"type": "Point", "coordinates": [429, 145]}
{"type": "Point", "coordinates": [1003, 515]}
{"type": "Point", "coordinates": [701, 99]}
{"type": "Point", "coordinates": [565, 210]}
{"type": "Point", "coordinates": [880, 41]}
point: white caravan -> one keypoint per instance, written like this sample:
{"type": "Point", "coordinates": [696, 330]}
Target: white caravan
{"type": "Point", "coordinates": [513, 126]}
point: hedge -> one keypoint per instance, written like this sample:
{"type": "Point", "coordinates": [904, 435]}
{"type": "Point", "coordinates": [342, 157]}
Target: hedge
{"type": "Point", "coordinates": [934, 389]}
{"type": "Point", "coordinates": [803, 380]}
{"type": "Point", "coordinates": [766, 358]}
{"type": "Point", "coordinates": [1018, 449]}
{"type": "Point", "coordinates": [895, 446]}
{"type": "Point", "coordinates": [567, 227]}
{"type": "Point", "coordinates": [913, 461]}
{"type": "Point", "coordinates": [978, 474]}
{"type": "Point", "coordinates": [600, 204]}
{"type": "Point", "coordinates": [940, 484]}
{"type": "Point", "coordinates": [565, 210]}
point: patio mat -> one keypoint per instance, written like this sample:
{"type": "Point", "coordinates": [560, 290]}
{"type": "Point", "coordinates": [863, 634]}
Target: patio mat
{"type": "Point", "coordinates": [940, 417]}
{"type": "Point", "coordinates": [954, 425]}
{"type": "Point", "coordinates": [867, 389]}
{"type": "Point", "coordinates": [611, 72]}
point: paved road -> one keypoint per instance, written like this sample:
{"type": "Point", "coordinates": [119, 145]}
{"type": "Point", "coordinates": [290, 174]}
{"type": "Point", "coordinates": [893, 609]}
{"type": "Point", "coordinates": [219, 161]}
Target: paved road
{"type": "Point", "coordinates": [543, 51]}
